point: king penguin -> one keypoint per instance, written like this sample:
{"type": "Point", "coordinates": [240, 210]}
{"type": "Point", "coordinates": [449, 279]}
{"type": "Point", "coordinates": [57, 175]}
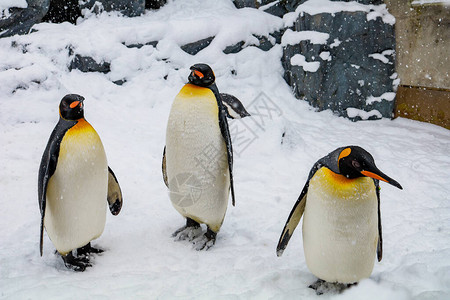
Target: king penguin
{"type": "Point", "coordinates": [340, 204]}
{"type": "Point", "coordinates": [74, 185]}
{"type": "Point", "coordinates": [198, 158]}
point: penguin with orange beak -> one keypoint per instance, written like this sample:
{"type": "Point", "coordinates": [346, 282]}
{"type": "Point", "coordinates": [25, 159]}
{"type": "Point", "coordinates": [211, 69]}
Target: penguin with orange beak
{"type": "Point", "coordinates": [340, 204]}
{"type": "Point", "coordinates": [197, 163]}
{"type": "Point", "coordinates": [74, 186]}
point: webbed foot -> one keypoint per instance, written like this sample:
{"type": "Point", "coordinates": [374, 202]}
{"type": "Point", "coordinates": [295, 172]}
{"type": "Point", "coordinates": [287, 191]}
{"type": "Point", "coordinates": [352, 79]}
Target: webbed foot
{"type": "Point", "coordinates": [206, 241]}
{"type": "Point", "coordinates": [88, 249]}
{"type": "Point", "coordinates": [190, 231]}
{"type": "Point", "coordinates": [322, 286]}
{"type": "Point", "coordinates": [78, 264]}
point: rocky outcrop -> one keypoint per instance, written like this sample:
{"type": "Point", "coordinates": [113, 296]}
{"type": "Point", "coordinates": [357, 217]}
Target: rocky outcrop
{"type": "Point", "coordinates": [351, 71]}
{"type": "Point", "coordinates": [339, 57]}
{"type": "Point", "coordinates": [20, 20]}
{"type": "Point", "coordinates": [195, 47]}
{"type": "Point", "coordinates": [342, 60]}
{"type": "Point", "coordinates": [88, 64]}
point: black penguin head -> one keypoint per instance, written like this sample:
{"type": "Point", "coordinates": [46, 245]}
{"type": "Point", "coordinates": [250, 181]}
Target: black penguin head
{"type": "Point", "coordinates": [201, 75]}
{"type": "Point", "coordinates": [71, 107]}
{"type": "Point", "coordinates": [354, 162]}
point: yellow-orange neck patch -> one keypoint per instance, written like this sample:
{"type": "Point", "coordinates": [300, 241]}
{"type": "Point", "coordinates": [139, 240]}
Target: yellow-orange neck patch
{"type": "Point", "coordinates": [344, 153]}
{"type": "Point", "coordinates": [340, 186]}
{"type": "Point", "coordinates": [191, 90]}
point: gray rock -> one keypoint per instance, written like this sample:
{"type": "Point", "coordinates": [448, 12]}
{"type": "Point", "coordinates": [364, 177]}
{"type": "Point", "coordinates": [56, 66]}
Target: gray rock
{"type": "Point", "coordinates": [88, 64]}
{"type": "Point", "coordinates": [264, 43]}
{"type": "Point", "coordinates": [196, 47]}
{"type": "Point", "coordinates": [139, 45]}
{"type": "Point", "coordinates": [234, 48]}
{"type": "Point", "coordinates": [22, 19]}
{"type": "Point", "coordinates": [130, 8]}
{"type": "Point", "coordinates": [154, 4]}
{"type": "Point", "coordinates": [351, 76]}
{"type": "Point", "coordinates": [245, 3]}
{"type": "Point", "coordinates": [63, 11]}
{"type": "Point", "coordinates": [280, 8]}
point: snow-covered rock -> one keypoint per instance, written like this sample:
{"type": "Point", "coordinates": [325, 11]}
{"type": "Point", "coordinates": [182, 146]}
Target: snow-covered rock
{"type": "Point", "coordinates": [360, 42]}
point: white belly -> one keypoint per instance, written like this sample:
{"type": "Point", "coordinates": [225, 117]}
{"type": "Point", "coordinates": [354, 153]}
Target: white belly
{"type": "Point", "coordinates": [196, 161]}
{"type": "Point", "coordinates": [75, 210]}
{"type": "Point", "coordinates": [340, 230]}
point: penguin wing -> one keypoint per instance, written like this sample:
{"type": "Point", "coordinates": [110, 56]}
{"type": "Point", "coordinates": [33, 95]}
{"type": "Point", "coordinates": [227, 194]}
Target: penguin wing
{"type": "Point", "coordinates": [226, 135]}
{"type": "Point", "coordinates": [234, 108]}
{"type": "Point", "coordinates": [48, 167]}
{"type": "Point", "coordinates": [114, 196]}
{"type": "Point", "coordinates": [380, 236]}
{"type": "Point", "coordinates": [164, 171]}
{"type": "Point", "coordinates": [296, 213]}
{"type": "Point", "coordinates": [223, 123]}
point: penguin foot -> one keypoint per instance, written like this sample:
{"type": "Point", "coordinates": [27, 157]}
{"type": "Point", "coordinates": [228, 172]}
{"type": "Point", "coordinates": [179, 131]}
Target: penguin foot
{"type": "Point", "coordinates": [206, 241]}
{"type": "Point", "coordinates": [88, 249]}
{"type": "Point", "coordinates": [322, 286]}
{"type": "Point", "coordinates": [78, 264]}
{"type": "Point", "coordinates": [189, 232]}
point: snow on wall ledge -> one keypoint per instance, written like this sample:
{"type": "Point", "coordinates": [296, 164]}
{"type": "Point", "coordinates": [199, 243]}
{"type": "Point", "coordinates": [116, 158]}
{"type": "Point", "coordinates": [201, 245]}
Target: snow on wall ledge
{"type": "Point", "coordinates": [343, 57]}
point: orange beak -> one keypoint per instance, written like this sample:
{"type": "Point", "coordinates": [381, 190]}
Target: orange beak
{"type": "Point", "coordinates": [382, 177]}
{"type": "Point", "coordinates": [373, 175]}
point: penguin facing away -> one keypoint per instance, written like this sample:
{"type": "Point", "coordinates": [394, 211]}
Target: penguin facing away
{"type": "Point", "coordinates": [74, 185]}
{"type": "Point", "coordinates": [197, 161]}
{"type": "Point", "coordinates": [340, 204]}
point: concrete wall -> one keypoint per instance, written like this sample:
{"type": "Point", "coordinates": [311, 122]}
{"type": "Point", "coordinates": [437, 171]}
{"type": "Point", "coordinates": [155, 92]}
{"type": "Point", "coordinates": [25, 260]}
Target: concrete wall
{"type": "Point", "coordinates": [423, 60]}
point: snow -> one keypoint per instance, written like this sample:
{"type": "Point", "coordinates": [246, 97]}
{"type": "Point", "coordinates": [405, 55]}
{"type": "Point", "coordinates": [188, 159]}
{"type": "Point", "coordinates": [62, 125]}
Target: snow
{"type": "Point", "coordinates": [300, 60]}
{"type": "Point", "coordinates": [325, 55]}
{"type": "Point", "coordinates": [421, 2]}
{"type": "Point", "coordinates": [314, 7]}
{"type": "Point", "coordinates": [291, 37]}
{"type": "Point", "coordinates": [274, 151]}
{"type": "Point", "coordinates": [389, 96]}
{"type": "Point", "coordinates": [365, 115]}
{"type": "Point", "coordinates": [382, 56]}
{"type": "Point", "coordinates": [5, 4]}
{"type": "Point", "coordinates": [336, 42]}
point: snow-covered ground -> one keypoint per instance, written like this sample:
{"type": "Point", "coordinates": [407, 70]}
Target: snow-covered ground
{"type": "Point", "coordinates": [274, 151]}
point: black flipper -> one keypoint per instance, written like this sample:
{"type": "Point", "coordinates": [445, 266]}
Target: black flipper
{"type": "Point", "coordinates": [380, 236]}
{"type": "Point", "coordinates": [114, 196]}
{"type": "Point", "coordinates": [48, 166]}
{"type": "Point", "coordinates": [223, 123]}
{"type": "Point", "coordinates": [164, 171]}
{"type": "Point", "coordinates": [296, 213]}
{"type": "Point", "coordinates": [234, 108]}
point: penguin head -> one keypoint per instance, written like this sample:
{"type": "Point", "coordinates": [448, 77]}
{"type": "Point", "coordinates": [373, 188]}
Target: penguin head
{"type": "Point", "coordinates": [354, 162]}
{"type": "Point", "coordinates": [71, 107]}
{"type": "Point", "coordinates": [201, 75]}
